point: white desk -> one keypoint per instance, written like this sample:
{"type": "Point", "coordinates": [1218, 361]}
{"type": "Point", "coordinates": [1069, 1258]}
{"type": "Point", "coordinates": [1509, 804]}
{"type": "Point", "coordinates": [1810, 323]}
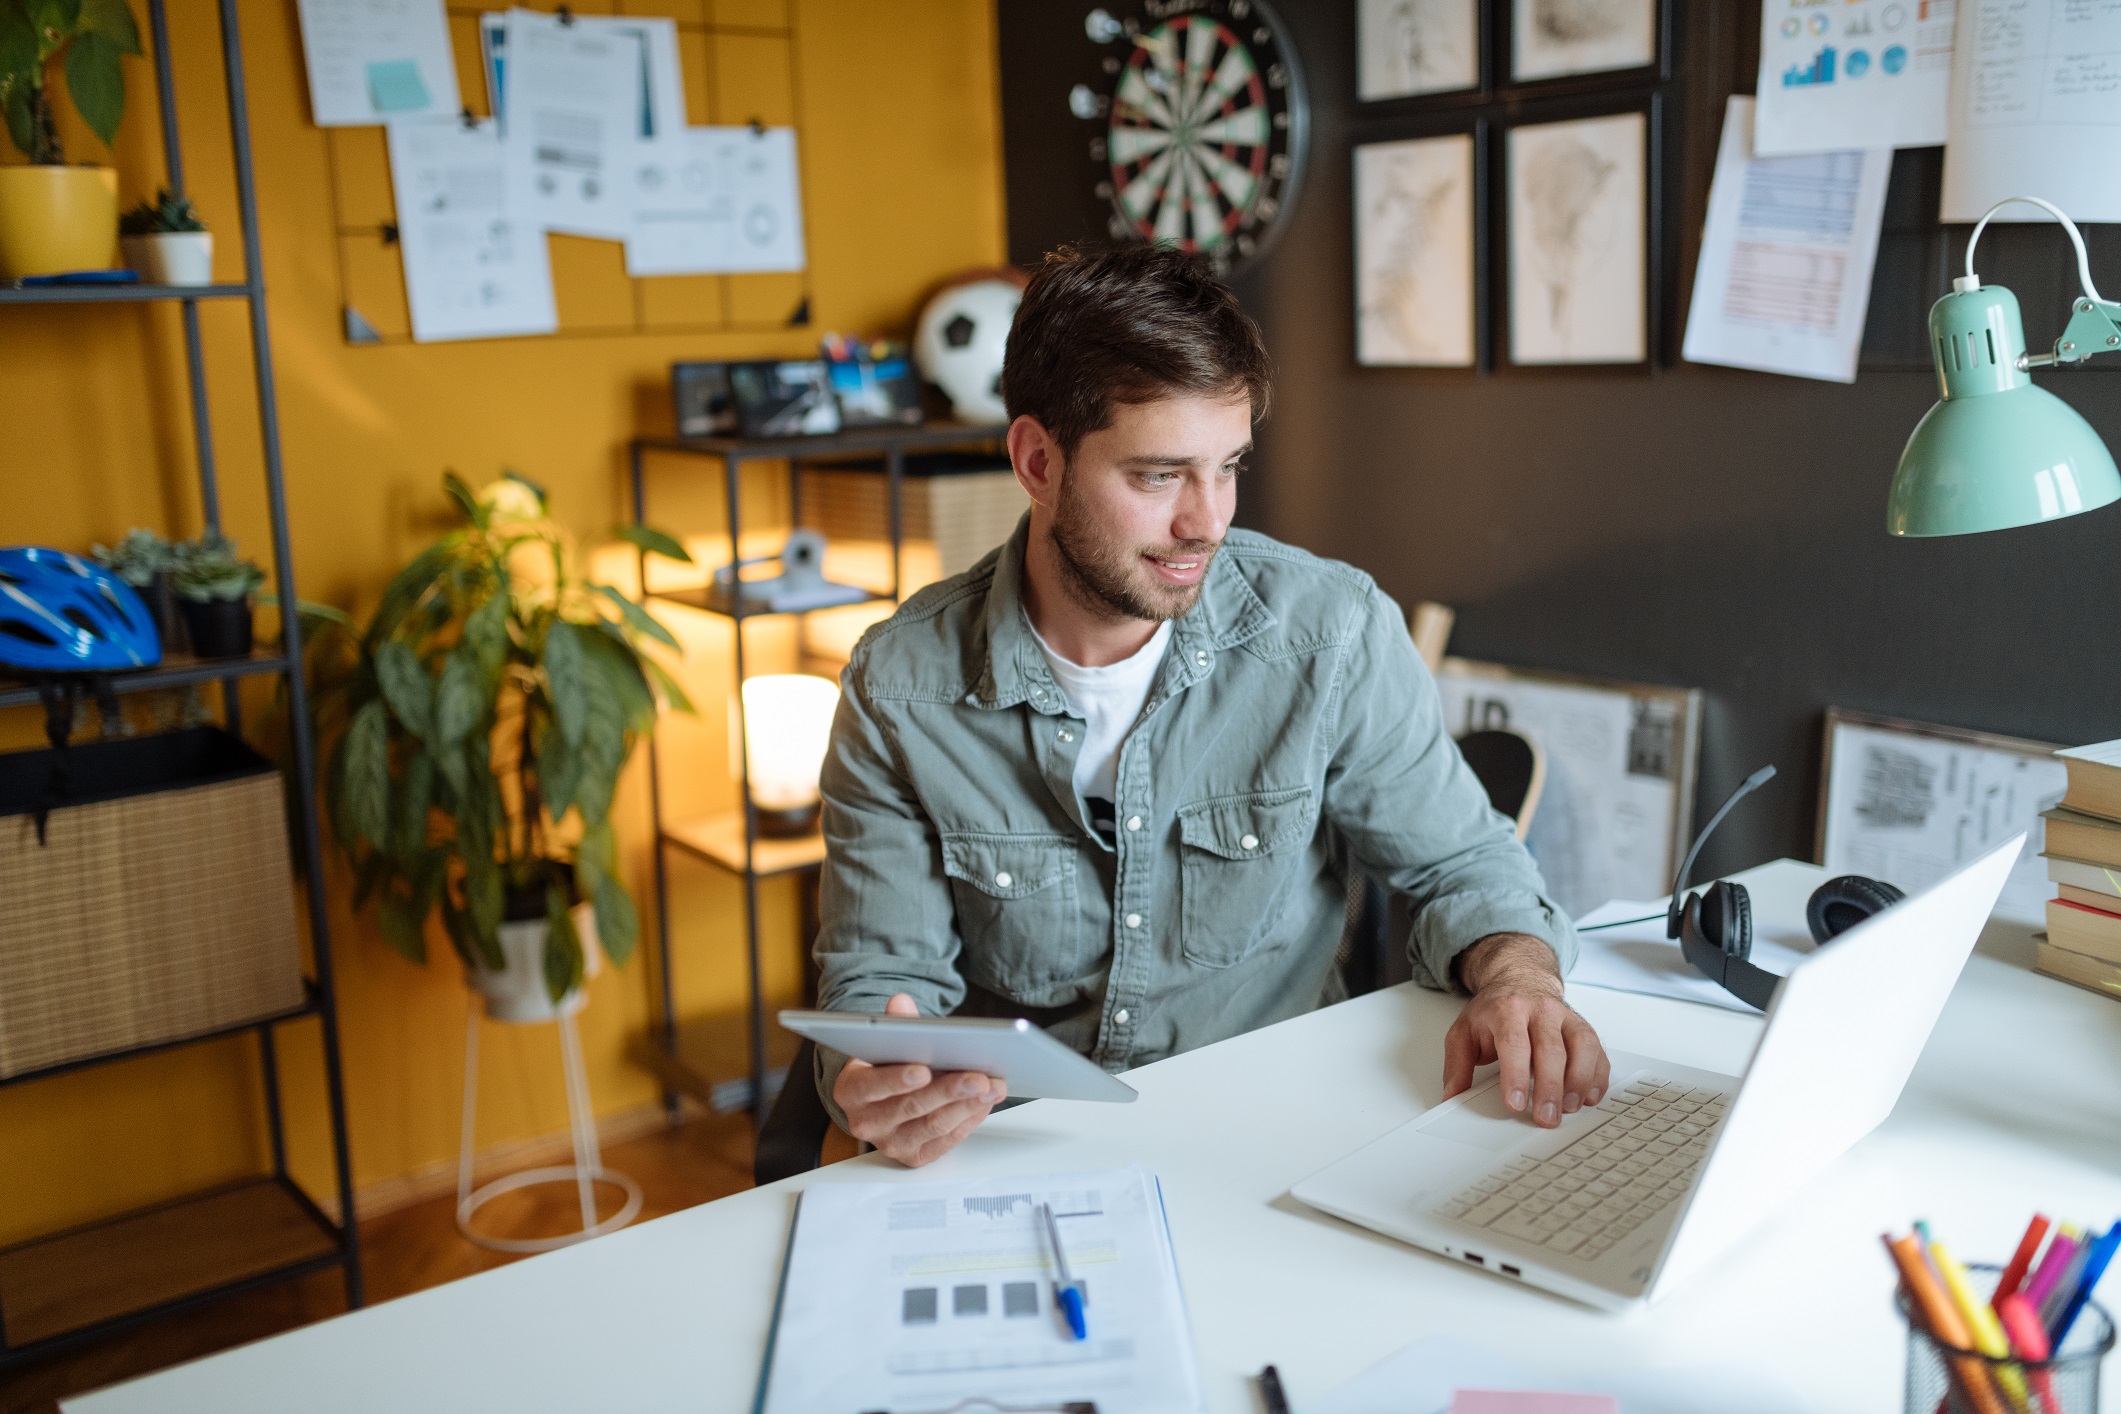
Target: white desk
{"type": "Point", "coordinates": [2016, 1103]}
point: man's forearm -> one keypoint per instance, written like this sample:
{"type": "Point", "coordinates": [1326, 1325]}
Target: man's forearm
{"type": "Point", "coordinates": [1518, 959]}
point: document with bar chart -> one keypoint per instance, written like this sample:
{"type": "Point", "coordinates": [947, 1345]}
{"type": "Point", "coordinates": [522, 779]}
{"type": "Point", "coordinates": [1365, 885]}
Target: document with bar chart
{"type": "Point", "coordinates": [1837, 74]}
{"type": "Point", "coordinates": [1784, 279]}
{"type": "Point", "coordinates": [913, 1297]}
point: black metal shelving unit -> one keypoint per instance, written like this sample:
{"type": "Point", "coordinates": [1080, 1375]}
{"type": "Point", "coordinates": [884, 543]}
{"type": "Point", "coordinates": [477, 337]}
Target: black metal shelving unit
{"type": "Point", "coordinates": [71, 1287]}
{"type": "Point", "coordinates": [688, 1058]}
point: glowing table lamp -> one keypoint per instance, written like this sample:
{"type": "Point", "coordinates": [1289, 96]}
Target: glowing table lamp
{"type": "Point", "coordinates": [787, 726]}
{"type": "Point", "coordinates": [1997, 451]}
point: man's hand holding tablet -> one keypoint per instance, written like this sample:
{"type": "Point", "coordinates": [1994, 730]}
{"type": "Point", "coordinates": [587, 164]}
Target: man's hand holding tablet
{"type": "Point", "coordinates": [909, 1112]}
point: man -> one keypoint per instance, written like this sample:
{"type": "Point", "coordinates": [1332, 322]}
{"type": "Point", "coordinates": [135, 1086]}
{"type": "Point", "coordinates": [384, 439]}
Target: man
{"type": "Point", "coordinates": [1112, 778]}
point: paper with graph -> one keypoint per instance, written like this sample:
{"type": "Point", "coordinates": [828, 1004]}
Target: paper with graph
{"type": "Point", "coordinates": [910, 1297]}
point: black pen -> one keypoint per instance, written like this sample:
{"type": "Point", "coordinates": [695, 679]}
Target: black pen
{"type": "Point", "coordinates": [1270, 1391]}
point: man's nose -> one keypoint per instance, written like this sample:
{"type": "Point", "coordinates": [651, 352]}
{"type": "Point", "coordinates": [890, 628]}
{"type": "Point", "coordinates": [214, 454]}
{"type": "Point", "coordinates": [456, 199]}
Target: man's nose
{"type": "Point", "coordinates": [1198, 517]}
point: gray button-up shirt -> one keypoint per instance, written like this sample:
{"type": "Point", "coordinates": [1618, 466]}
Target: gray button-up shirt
{"type": "Point", "coordinates": [1292, 734]}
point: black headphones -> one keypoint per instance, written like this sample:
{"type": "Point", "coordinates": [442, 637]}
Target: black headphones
{"type": "Point", "coordinates": [1715, 926]}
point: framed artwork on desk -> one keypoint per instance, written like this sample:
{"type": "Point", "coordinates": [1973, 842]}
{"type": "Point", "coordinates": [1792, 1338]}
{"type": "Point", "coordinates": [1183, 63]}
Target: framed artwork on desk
{"type": "Point", "coordinates": [1579, 217]}
{"type": "Point", "coordinates": [1420, 246]}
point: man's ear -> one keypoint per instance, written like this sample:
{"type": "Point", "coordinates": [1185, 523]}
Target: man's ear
{"type": "Point", "coordinates": [1037, 460]}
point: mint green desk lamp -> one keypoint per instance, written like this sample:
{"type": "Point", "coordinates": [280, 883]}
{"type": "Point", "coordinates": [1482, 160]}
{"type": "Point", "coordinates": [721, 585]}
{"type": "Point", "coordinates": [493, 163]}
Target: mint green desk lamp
{"type": "Point", "coordinates": [1997, 451]}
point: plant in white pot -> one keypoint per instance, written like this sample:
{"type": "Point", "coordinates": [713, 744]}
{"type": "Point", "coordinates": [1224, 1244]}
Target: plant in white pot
{"type": "Point", "coordinates": [477, 727]}
{"type": "Point", "coordinates": [166, 243]}
{"type": "Point", "coordinates": [56, 218]}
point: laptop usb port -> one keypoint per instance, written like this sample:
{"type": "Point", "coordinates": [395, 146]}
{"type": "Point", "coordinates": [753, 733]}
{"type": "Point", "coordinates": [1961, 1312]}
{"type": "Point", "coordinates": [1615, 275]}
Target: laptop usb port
{"type": "Point", "coordinates": [1476, 1259]}
{"type": "Point", "coordinates": [1509, 1270]}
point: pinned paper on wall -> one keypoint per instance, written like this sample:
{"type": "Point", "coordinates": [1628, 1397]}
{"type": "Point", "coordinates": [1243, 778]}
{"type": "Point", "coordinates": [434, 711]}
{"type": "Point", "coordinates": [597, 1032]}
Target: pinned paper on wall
{"type": "Point", "coordinates": [1784, 279]}
{"type": "Point", "coordinates": [371, 61]}
{"type": "Point", "coordinates": [662, 92]}
{"type": "Point", "coordinates": [572, 113]}
{"type": "Point", "coordinates": [474, 268]}
{"type": "Point", "coordinates": [716, 200]}
{"type": "Point", "coordinates": [2036, 110]}
{"type": "Point", "coordinates": [1862, 74]}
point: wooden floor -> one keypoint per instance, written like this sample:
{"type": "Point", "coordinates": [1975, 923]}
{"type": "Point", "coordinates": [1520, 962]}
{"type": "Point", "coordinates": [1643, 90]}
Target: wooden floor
{"type": "Point", "coordinates": [402, 1252]}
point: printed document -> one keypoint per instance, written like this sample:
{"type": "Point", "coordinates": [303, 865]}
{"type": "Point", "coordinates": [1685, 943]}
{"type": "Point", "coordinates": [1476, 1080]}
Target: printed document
{"type": "Point", "coordinates": [374, 61]}
{"type": "Point", "coordinates": [474, 268]}
{"type": "Point", "coordinates": [907, 1297]}
{"type": "Point", "coordinates": [2036, 110]}
{"type": "Point", "coordinates": [662, 97]}
{"type": "Point", "coordinates": [715, 200]}
{"type": "Point", "coordinates": [573, 105]}
{"type": "Point", "coordinates": [1784, 279]}
{"type": "Point", "coordinates": [1861, 73]}
{"type": "Point", "coordinates": [1422, 1378]}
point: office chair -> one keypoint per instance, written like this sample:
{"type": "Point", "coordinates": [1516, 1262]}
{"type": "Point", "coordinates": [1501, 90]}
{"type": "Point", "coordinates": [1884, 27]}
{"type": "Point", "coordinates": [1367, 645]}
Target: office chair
{"type": "Point", "coordinates": [792, 1140]}
{"type": "Point", "coordinates": [1512, 769]}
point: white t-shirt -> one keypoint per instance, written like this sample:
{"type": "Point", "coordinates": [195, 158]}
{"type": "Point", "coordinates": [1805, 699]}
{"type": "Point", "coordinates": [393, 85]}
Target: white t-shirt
{"type": "Point", "coordinates": [1110, 700]}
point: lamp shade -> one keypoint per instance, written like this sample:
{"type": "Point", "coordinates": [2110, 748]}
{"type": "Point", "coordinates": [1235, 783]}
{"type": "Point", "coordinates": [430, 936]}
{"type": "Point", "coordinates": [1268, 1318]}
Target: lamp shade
{"type": "Point", "coordinates": [1995, 451]}
{"type": "Point", "coordinates": [787, 727]}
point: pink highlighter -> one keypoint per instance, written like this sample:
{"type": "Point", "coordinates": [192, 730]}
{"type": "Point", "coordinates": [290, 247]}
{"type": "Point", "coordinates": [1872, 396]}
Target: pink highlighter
{"type": "Point", "coordinates": [2029, 1342]}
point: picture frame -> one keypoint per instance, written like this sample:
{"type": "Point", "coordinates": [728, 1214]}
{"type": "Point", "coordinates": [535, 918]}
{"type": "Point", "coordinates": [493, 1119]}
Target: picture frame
{"type": "Point", "coordinates": [1910, 802]}
{"type": "Point", "coordinates": [1421, 251]}
{"type": "Point", "coordinates": [701, 395]}
{"type": "Point", "coordinates": [1422, 49]}
{"type": "Point", "coordinates": [784, 398]}
{"type": "Point", "coordinates": [1581, 238]}
{"type": "Point", "coordinates": [1616, 812]}
{"type": "Point", "coordinates": [1602, 42]}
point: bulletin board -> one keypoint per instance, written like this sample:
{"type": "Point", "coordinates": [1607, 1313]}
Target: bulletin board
{"type": "Point", "coordinates": [739, 63]}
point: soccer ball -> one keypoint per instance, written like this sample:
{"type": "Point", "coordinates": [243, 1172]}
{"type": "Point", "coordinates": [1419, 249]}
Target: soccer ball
{"type": "Point", "coordinates": [959, 343]}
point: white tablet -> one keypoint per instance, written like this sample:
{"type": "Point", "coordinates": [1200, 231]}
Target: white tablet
{"type": "Point", "coordinates": [1036, 1066]}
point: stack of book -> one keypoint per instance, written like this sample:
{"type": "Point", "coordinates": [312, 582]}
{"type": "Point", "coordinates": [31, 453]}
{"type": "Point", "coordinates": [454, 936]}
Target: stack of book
{"type": "Point", "coordinates": [2084, 860]}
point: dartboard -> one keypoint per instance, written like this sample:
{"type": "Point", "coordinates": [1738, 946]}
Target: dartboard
{"type": "Point", "coordinates": [1203, 111]}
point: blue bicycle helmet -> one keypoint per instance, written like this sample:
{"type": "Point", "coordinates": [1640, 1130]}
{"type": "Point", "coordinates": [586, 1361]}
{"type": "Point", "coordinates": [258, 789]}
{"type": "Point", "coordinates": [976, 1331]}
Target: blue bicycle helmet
{"type": "Point", "coordinates": [61, 614]}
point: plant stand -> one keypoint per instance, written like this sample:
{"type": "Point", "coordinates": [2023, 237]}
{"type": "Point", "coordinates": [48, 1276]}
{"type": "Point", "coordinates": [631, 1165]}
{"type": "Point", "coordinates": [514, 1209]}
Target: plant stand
{"type": "Point", "coordinates": [586, 1172]}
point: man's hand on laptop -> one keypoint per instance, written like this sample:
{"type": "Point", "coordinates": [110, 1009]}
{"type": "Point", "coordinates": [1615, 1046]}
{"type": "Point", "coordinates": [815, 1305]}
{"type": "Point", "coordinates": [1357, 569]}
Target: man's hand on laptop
{"type": "Point", "coordinates": [1551, 1059]}
{"type": "Point", "coordinates": [907, 1112]}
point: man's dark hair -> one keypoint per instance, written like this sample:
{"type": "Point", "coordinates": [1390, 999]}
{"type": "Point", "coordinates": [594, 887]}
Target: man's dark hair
{"type": "Point", "coordinates": [1127, 325]}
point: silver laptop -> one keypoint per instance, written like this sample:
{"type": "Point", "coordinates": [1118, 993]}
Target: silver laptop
{"type": "Point", "coordinates": [1625, 1200]}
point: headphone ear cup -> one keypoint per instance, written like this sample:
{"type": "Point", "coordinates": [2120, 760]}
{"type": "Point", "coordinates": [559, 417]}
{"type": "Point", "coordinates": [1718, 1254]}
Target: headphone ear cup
{"type": "Point", "coordinates": [1840, 904]}
{"type": "Point", "coordinates": [1727, 919]}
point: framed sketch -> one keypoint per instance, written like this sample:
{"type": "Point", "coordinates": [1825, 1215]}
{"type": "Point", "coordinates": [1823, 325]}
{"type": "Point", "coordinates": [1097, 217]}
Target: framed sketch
{"type": "Point", "coordinates": [1578, 246]}
{"type": "Point", "coordinates": [1411, 48]}
{"type": "Point", "coordinates": [1552, 39]}
{"type": "Point", "coordinates": [1908, 802]}
{"type": "Point", "coordinates": [1617, 809]}
{"type": "Point", "coordinates": [1416, 244]}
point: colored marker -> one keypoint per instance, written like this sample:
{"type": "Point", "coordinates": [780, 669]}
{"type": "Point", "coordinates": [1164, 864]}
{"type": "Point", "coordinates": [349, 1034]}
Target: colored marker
{"type": "Point", "coordinates": [2021, 1261]}
{"type": "Point", "coordinates": [2051, 1266]}
{"type": "Point", "coordinates": [2029, 1342]}
{"type": "Point", "coordinates": [2066, 1286]}
{"type": "Point", "coordinates": [2102, 1252]}
{"type": "Point", "coordinates": [1928, 1300]}
{"type": "Point", "coordinates": [1982, 1324]}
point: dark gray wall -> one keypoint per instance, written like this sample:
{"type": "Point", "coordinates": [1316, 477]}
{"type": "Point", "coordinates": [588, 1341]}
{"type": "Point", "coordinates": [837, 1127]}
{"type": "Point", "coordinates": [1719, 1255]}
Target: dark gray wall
{"type": "Point", "coordinates": [1696, 526]}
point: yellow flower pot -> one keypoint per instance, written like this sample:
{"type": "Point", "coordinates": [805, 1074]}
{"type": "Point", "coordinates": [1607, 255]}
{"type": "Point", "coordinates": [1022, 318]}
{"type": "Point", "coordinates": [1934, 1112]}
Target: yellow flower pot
{"type": "Point", "coordinates": [56, 219]}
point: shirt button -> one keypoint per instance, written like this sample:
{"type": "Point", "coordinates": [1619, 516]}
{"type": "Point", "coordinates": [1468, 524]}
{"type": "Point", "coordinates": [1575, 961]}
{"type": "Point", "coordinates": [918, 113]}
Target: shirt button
{"type": "Point", "coordinates": [1134, 920]}
{"type": "Point", "coordinates": [1134, 822]}
{"type": "Point", "coordinates": [1066, 735]}
{"type": "Point", "coordinates": [1001, 880]}
{"type": "Point", "coordinates": [1119, 1018]}
{"type": "Point", "coordinates": [1201, 658]}
{"type": "Point", "coordinates": [1249, 842]}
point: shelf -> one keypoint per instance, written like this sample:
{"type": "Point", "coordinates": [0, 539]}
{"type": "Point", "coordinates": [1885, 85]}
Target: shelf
{"type": "Point", "coordinates": [241, 1233]}
{"type": "Point", "coordinates": [116, 294]}
{"type": "Point", "coordinates": [711, 1059]}
{"type": "Point", "coordinates": [861, 439]}
{"type": "Point", "coordinates": [697, 599]}
{"type": "Point", "coordinates": [719, 839]}
{"type": "Point", "coordinates": [309, 1007]}
{"type": "Point", "coordinates": [180, 670]}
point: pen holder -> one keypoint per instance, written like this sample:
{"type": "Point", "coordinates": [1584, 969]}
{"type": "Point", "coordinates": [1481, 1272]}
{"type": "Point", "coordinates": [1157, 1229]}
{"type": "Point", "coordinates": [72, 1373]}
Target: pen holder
{"type": "Point", "coordinates": [2065, 1383]}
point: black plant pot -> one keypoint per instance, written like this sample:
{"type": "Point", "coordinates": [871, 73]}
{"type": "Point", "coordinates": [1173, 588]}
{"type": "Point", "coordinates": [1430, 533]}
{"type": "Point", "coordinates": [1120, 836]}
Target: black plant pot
{"type": "Point", "coordinates": [161, 601]}
{"type": "Point", "coordinates": [220, 628]}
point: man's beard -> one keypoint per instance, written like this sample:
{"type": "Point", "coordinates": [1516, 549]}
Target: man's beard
{"type": "Point", "coordinates": [1109, 578]}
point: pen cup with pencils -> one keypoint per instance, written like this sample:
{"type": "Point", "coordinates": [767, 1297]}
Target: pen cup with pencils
{"type": "Point", "coordinates": [1950, 1379]}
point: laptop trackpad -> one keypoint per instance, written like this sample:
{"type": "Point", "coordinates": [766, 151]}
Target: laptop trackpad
{"type": "Point", "coordinates": [1484, 1122]}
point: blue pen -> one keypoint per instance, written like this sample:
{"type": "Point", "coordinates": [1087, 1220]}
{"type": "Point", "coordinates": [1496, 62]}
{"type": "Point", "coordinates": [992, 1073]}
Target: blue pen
{"type": "Point", "coordinates": [2094, 1267]}
{"type": "Point", "coordinates": [1067, 1292]}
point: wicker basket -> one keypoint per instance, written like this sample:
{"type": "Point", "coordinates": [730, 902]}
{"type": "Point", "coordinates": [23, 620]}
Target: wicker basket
{"type": "Point", "coordinates": [159, 905]}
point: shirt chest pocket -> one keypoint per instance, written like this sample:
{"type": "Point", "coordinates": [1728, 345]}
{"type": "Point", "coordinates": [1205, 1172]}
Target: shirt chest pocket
{"type": "Point", "coordinates": [1017, 912]}
{"type": "Point", "coordinates": [1237, 855]}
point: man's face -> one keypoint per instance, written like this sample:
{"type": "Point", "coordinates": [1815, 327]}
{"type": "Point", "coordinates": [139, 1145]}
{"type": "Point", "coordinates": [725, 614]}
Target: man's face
{"type": "Point", "coordinates": [1143, 504]}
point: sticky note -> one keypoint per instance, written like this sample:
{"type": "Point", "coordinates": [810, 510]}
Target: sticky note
{"type": "Point", "coordinates": [1527, 1401]}
{"type": "Point", "coordinates": [394, 87]}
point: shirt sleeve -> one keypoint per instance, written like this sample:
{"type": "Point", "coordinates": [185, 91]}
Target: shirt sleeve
{"type": "Point", "coordinates": [1415, 815]}
{"type": "Point", "coordinates": [887, 922]}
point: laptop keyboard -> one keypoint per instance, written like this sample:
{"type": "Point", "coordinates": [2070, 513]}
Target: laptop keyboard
{"type": "Point", "coordinates": [1601, 1188]}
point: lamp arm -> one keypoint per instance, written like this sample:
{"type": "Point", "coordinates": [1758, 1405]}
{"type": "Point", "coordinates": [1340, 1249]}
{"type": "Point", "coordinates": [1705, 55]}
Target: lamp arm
{"type": "Point", "coordinates": [2095, 321]}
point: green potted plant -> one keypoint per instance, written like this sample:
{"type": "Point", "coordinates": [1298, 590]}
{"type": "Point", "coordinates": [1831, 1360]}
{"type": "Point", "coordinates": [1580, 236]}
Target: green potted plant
{"type": "Point", "coordinates": [474, 733]}
{"type": "Point", "coordinates": [145, 560]}
{"type": "Point", "coordinates": [214, 585]}
{"type": "Point", "coordinates": [55, 218]}
{"type": "Point", "coordinates": [166, 242]}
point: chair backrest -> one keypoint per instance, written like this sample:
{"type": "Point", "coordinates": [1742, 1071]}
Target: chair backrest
{"type": "Point", "coordinates": [1512, 769]}
{"type": "Point", "coordinates": [792, 1140]}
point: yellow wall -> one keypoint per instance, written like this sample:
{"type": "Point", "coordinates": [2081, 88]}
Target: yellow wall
{"type": "Point", "coordinates": [900, 146]}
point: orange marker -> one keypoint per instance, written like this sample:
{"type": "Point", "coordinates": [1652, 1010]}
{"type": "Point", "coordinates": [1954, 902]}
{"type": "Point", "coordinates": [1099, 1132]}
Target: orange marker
{"type": "Point", "coordinates": [1943, 1322]}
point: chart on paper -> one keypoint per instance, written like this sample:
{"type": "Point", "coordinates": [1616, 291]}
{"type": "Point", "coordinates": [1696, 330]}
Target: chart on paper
{"type": "Point", "coordinates": [928, 1294]}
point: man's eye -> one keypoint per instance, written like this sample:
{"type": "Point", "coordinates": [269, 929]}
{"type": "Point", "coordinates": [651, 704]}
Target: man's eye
{"type": "Point", "coordinates": [1159, 478]}
{"type": "Point", "coordinates": [1233, 468]}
